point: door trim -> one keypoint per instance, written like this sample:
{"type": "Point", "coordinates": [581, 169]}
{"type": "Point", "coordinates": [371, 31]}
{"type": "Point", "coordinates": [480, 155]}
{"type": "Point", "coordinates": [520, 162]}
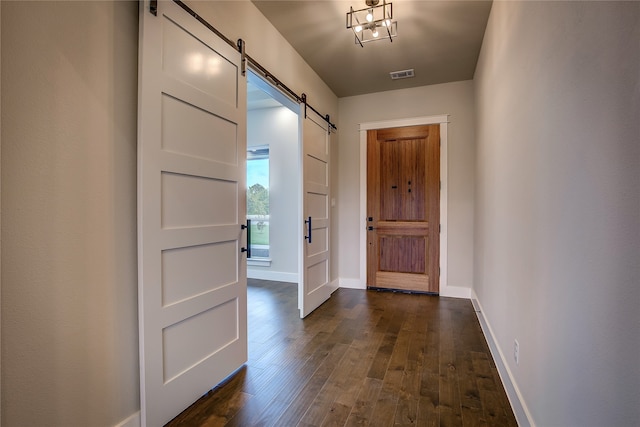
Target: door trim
{"type": "Point", "coordinates": [443, 121]}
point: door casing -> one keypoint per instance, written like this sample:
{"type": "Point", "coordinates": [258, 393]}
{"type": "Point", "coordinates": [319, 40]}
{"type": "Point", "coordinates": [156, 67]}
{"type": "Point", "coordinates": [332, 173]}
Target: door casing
{"type": "Point", "coordinates": [280, 96]}
{"type": "Point", "coordinates": [443, 121]}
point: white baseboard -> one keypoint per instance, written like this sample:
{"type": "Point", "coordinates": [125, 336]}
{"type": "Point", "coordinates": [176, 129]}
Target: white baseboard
{"type": "Point", "coordinates": [278, 276]}
{"type": "Point", "coordinates": [131, 421]}
{"type": "Point", "coordinates": [455, 292]}
{"type": "Point", "coordinates": [520, 410]}
{"type": "Point", "coordinates": [334, 285]}
{"type": "Point", "coordinates": [351, 283]}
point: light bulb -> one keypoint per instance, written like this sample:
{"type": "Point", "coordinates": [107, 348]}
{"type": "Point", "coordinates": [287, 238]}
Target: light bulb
{"type": "Point", "coordinates": [374, 32]}
{"type": "Point", "coordinates": [386, 23]}
{"type": "Point", "coordinates": [358, 28]}
{"type": "Point", "coordinates": [369, 16]}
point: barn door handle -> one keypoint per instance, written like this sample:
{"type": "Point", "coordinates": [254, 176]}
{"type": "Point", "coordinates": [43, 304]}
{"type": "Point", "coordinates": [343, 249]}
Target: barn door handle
{"type": "Point", "coordinates": [308, 222]}
{"type": "Point", "coordinates": [247, 227]}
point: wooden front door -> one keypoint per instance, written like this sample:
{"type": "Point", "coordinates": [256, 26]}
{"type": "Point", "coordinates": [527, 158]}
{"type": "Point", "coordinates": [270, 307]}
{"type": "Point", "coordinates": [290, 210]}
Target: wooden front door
{"type": "Point", "coordinates": [403, 208]}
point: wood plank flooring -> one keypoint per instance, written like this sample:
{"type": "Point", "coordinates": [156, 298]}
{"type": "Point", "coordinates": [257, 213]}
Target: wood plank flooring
{"type": "Point", "coordinates": [364, 358]}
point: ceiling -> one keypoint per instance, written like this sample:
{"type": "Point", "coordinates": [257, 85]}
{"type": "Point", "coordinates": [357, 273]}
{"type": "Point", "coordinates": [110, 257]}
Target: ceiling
{"type": "Point", "coordinates": [440, 40]}
{"type": "Point", "coordinates": [258, 99]}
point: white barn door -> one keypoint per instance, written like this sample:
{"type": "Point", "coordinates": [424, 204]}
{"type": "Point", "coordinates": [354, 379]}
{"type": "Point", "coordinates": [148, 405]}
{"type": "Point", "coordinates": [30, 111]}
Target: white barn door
{"type": "Point", "coordinates": [314, 286]}
{"type": "Point", "coordinates": [191, 204]}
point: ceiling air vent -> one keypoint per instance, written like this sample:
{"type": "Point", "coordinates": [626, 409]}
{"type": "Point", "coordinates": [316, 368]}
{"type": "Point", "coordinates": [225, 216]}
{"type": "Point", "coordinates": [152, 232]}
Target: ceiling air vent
{"type": "Point", "coordinates": [404, 74]}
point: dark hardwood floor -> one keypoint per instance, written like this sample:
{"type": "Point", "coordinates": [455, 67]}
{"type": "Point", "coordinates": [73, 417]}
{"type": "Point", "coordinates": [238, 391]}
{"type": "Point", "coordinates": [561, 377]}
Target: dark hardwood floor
{"type": "Point", "coordinates": [362, 358]}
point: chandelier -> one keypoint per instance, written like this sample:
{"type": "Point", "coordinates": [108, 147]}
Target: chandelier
{"type": "Point", "coordinates": [375, 22]}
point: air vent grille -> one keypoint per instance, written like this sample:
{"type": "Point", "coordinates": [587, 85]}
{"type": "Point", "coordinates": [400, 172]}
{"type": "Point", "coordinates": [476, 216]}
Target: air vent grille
{"type": "Point", "coordinates": [404, 74]}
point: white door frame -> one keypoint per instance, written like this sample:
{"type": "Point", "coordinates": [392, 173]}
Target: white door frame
{"type": "Point", "coordinates": [256, 79]}
{"type": "Point", "coordinates": [443, 121]}
{"type": "Point", "coordinates": [305, 300]}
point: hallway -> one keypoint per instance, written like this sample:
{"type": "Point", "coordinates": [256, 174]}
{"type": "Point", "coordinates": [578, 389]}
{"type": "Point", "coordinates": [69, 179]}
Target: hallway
{"type": "Point", "coordinates": [363, 358]}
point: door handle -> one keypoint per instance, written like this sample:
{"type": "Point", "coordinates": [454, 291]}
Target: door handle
{"type": "Point", "coordinates": [370, 228]}
{"type": "Point", "coordinates": [308, 222]}
{"type": "Point", "coordinates": [247, 227]}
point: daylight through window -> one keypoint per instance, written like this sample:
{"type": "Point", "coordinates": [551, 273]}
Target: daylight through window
{"type": "Point", "coordinates": [258, 200]}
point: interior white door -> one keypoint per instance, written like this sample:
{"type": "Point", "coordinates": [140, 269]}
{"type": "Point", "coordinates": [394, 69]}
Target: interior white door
{"type": "Point", "coordinates": [191, 204]}
{"type": "Point", "coordinates": [314, 286]}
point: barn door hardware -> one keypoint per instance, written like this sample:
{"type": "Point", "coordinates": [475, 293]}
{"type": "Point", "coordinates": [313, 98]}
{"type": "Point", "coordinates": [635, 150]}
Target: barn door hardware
{"type": "Point", "coordinates": [308, 222]}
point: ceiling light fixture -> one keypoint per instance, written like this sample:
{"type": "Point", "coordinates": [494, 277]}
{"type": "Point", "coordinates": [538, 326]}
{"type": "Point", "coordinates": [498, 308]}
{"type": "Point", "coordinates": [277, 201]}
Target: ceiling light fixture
{"type": "Point", "coordinates": [372, 21]}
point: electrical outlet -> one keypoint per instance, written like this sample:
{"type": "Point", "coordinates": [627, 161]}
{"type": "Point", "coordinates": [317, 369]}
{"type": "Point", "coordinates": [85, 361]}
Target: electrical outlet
{"type": "Point", "coordinates": [516, 351]}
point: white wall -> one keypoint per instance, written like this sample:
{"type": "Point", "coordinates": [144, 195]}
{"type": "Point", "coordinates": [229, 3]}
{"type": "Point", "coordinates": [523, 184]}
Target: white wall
{"type": "Point", "coordinates": [557, 246]}
{"type": "Point", "coordinates": [69, 277]}
{"type": "Point", "coordinates": [455, 99]}
{"type": "Point", "coordinates": [68, 233]}
{"type": "Point", "coordinates": [0, 214]}
{"type": "Point", "coordinates": [278, 128]}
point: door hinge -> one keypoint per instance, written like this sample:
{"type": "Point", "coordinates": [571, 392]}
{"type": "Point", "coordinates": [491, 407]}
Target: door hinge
{"type": "Point", "coordinates": [153, 7]}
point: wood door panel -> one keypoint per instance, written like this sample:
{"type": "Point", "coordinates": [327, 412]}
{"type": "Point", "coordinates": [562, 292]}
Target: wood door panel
{"type": "Point", "coordinates": [403, 228]}
{"type": "Point", "coordinates": [403, 254]}
{"type": "Point", "coordinates": [403, 281]}
{"type": "Point", "coordinates": [409, 132]}
{"type": "Point", "coordinates": [403, 209]}
{"type": "Point", "coordinates": [402, 180]}
{"type": "Point", "coordinates": [391, 200]}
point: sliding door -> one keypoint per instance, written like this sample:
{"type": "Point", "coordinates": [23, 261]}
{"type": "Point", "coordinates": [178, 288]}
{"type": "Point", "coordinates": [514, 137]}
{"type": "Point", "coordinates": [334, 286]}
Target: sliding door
{"type": "Point", "coordinates": [191, 204]}
{"type": "Point", "coordinates": [314, 287]}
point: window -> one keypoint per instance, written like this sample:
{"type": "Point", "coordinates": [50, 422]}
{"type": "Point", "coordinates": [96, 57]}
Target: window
{"type": "Point", "coordinates": [258, 200]}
